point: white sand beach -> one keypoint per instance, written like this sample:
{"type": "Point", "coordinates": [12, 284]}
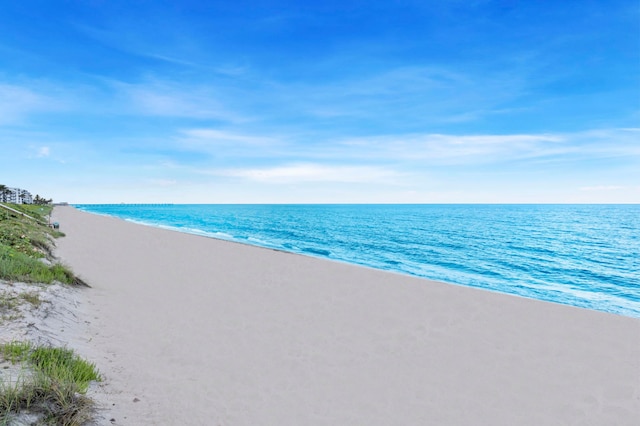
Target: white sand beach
{"type": "Point", "coordinates": [206, 332]}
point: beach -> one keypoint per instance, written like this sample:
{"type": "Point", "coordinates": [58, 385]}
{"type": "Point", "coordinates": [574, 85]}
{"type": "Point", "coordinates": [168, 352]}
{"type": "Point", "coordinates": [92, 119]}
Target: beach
{"type": "Point", "coordinates": [189, 329]}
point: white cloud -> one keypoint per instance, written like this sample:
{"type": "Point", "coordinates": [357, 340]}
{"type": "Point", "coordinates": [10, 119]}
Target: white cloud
{"type": "Point", "coordinates": [162, 182]}
{"type": "Point", "coordinates": [602, 188]}
{"type": "Point", "coordinates": [448, 149]}
{"type": "Point", "coordinates": [406, 95]}
{"type": "Point", "coordinates": [231, 144]}
{"type": "Point", "coordinates": [484, 149]}
{"type": "Point", "coordinates": [17, 102]}
{"type": "Point", "coordinates": [44, 151]}
{"type": "Point", "coordinates": [196, 137]}
{"type": "Point", "coordinates": [488, 146]}
{"type": "Point", "coordinates": [171, 99]}
{"type": "Point", "coordinates": [299, 173]}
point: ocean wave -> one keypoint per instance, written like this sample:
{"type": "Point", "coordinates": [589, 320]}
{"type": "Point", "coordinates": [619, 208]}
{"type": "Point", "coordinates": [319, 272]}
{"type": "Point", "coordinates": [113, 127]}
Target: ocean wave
{"type": "Point", "coordinates": [321, 252]}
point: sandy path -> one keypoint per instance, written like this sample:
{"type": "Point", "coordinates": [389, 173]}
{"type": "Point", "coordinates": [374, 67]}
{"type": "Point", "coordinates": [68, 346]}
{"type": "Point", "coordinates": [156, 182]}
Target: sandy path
{"type": "Point", "coordinates": [209, 332]}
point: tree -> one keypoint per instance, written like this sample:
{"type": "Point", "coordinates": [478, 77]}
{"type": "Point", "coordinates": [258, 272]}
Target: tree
{"type": "Point", "coordinates": [40, 200]}
{"type": "Point", "coordinates": [4, 191]}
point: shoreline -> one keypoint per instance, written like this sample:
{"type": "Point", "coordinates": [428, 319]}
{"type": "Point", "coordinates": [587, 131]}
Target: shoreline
{"type": "Point", "coordinates": [568, 286]}
{"type": "Point", "coordinates": [346, 262]}
{"type": "Point", "coordinates": [238, 334]}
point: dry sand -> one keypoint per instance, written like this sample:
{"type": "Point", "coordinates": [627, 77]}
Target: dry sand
{"type": "Point", "coordinates": [207, 332]}
{"type": "Point", "coordinates": [51, 315]}
{"type": "Point", "coordinates": [57, 318]}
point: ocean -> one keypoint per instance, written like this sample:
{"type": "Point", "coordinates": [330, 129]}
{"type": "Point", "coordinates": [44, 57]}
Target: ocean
{"type": "Point", "coordinates": [580, 255]}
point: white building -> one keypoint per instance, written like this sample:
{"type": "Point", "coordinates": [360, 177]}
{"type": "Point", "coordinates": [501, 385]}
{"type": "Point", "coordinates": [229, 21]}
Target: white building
{"type": "Point", "coordinates": [16, 196]}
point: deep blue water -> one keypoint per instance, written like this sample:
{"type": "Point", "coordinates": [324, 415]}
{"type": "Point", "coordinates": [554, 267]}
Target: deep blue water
{"type": "Point", "coordinates": [580, 255]}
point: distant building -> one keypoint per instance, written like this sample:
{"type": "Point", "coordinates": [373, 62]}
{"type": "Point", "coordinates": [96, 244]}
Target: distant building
{"type": "Point", "coordinates": [16, 196]}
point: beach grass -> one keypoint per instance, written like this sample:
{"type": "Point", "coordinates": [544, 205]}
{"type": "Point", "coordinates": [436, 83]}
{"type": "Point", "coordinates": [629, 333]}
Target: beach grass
{"type": "Point", "coordinates": [63, 365]}
{"type": "Point", "coordinates": [15, 351]}
{"type": "Point", "coordinates": [32, 298]}
{"type": "Point", "coordinates": [51, 382]}
{"type": "Point", "coordinates": [17, 266]}
{"type": "Point", "coordinates": [52, 387]}
{"type": "Point", "coordinates": [26, 248]}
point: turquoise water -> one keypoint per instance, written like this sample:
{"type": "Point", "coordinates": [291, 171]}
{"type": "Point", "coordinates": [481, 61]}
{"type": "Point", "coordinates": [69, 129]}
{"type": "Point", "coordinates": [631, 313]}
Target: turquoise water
{"type": "Point", "coordinates": [580, 255]}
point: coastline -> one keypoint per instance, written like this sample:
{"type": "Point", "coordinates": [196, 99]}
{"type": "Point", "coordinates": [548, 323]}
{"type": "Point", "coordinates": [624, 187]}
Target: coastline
{"type": "Point", "coordinates": [226, 333]}
{"type": "Point", "coordinates": [552, 253]}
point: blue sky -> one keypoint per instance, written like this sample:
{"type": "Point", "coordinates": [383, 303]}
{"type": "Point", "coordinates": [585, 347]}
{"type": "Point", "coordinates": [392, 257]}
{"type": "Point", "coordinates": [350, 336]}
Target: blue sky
{"type": "Point", "coordinates": [321, 102]}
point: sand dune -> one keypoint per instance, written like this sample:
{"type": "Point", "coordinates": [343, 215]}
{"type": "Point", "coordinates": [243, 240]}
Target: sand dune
{"type": "Point", "coordinates": [209, 332]}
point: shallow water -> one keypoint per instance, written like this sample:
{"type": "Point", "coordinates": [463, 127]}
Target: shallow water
{"type": "Point", "coordinates": [580, 255]}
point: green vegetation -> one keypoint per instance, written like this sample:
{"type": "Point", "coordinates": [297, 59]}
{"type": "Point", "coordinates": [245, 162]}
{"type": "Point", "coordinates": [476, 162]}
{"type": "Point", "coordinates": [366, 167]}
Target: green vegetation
{"type": "Point", "coordinates": [15, 351]}
{"type": "Point", "coordinates": [17, 266]}
{"type": "Point", "coordinates": [38, 200]}
{"type": "Point", "coordinates": [52, 382]}
{"type": "Point", "coordinates": [24, 241]}
{"type": "Point", "coordinates": [53, 386]}
{"type": "Point", "coordinates": [62, 364]}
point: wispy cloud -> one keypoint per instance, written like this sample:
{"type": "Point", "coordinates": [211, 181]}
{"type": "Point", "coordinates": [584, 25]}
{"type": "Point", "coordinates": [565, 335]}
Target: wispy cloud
{"type": "Point", "coordinates": [213, 137]}
{"type": "Point", "coordinates": [162, 182]}
{"type": "Point", "coordinates": [174, 99]}
{"type": "Point", "coordinates": [302, 173]}
{"type": "Point", "coordinates": [231, 144]}
{"type": "Point", "coordinates": [602, 188]}
{"type": "Point", "coordinates": [44, 151]}
{"type": "Point", "coordinates": [18, 102]}
{"type": "Point", "coordinates": [408, 95]}
{"type": "Point", "coordinates": [274, 158]}
{"type": "Point", "coordinates": [465, 148]}
{"type": "Point", "coordinates": [482, 149]}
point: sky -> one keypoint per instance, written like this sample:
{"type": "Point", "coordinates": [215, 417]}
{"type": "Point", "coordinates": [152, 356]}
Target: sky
{"type": "Point", "coordinates": [283, 101]}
